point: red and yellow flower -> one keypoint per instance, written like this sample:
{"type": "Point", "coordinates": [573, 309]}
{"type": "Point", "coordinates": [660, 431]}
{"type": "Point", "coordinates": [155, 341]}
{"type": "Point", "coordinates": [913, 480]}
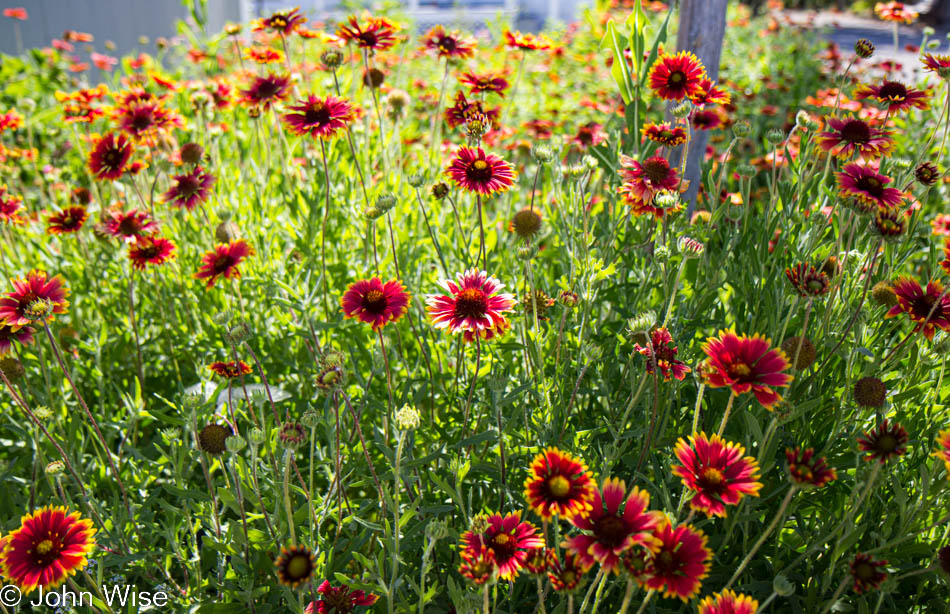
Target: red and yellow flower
{"type": "Point", "coordinates": [480, 172]}
{"type": "Point", "coordinates": [717, 472]}
{"type": "Point", "coordinates": [50, 545]}
{"type": "Point", "coordinates": [67, 221]}
{"type": "Point", "coordinates": [559, 484]}
{"type": "Point", "coordinates": [728, 602]}
{"type": "Point", "coordinates": [223, 261]}
{"type": "Point", "coordinates": [662, 352]}
{"type": "Point", "coordinates": [448, 44]}
{"type": "Point", "coordinates": [508, 538]}
{"type": "Point", "coordinates": [943, 448]}
{"type": "Point", "coordinates": [375, 302]}
{"type": "Point", "coordinates": [679, 562]}
{"type": "Point", "coordinates": [15, 307]}
{"type": "Point", "coordinates": [473, 306]}
{"type": "Point", "coordinates": [929, 308]}
{"type": "Point", "coordinates": [746, 364]}
{"type": "Point", "coordinates": [808, 470]}
{"type": "Point", "coordinates": [867, 572]}
{"type": "Point", "coordinates": [675, 77]}
{"type": "Point", "coordinates": [885, 441]}
{"type": "Point", "coordinates": [374, 33]}
{"type": "Point", "coordinates": [319, 117]}
{"type": "Point", "coordinates": [151, 251]}
{"type": "Point", "coordinates": [609, 531]}
{"type": "Point", "coordinates": [849, 136]}
{"type": "Point", "coordinates": [894, 95]}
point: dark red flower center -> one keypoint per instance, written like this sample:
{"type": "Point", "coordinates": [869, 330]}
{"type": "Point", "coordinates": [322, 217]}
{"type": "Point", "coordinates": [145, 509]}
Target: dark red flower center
{"type": "Point", "coordinates": [317, 114]}
{"type": "Point", "coordinates": [610, 531]}
{"type": "Point", "coordinates": [665, 563]}
{"type": "Point", "coordinates": [141, 119]}
{"type": "Point", "coordinates": [504, 546]}
{"type": "Point", "coordinates": [112, 158]}
{"type": "Point", "coordinates": [479, 171]}
{"type": "Point", "coordinates": [46, 551]}
{"type": "Point", "coordinates": [298, 566]}
{"type": "Point", "coordinates": [886, 443]}
{"type": "Point", "coordinates": [892, 90]}
{"type": "Point", "coordinates": [677, 76]}
{"type": "Point", "coordinates": [656, 170]}
{"type": "Point", "coordinates": [922, 305]}
{"type": "Point", "coordinates": [150, 251]}
{"type": "Point", "coordinates": [471, 303]}
{"type": "Point", "coordinates": [375, 302]}
{"type": "Point", "coordinates": [871, 185]}
{"type": "Point", "coordinates": [368, 39]}
{"type": "Point", "coordinates": [222, 263]}
{"type": "Point", "coordinates": [188, 185]}
{"type": "Point", "coordinates": [447, 44]}
{"type": "Point", "coordinates": [739, 371]}
{"type": "Point", "coordinates": [129, 226]}
{"type": "Point", "coordinates": [267, 88]}
{"type": "Point", "coordinates": [711, 480]}
{"type": "Point", "coordinates": [856, 131]}
{"type": "Point", "coordinates": [864, 571]}
{"type": "Point", "coordinates": [338, 600]}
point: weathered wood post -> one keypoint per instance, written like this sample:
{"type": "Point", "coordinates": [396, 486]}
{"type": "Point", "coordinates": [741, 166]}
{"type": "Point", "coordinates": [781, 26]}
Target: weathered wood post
{"type": "Point", "coordinates": [701, 30]}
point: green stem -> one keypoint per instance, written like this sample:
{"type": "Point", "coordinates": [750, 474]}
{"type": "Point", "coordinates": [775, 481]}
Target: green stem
{"type": "Point", "coordinates": [768, 531]}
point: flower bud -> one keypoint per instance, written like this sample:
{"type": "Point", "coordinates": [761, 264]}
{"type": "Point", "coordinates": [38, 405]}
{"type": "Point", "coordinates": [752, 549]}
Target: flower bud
{"type": "Point", "coordinates": [415, 180]}
{"type": "Point", "coordinates": [310, 419]}
{"type": "Point", "coordinates": [436, 530]}
{"type": "Point", "coordinates": [682, 110]}
{"type": "Point", "coordinates": [863, 48]}
{"type": "Point", "coordinates": [239, 333]}
{"type": "Point", "coordinates": [689, 247]}
{"type": "Point", "coordinates": [55, 468]}
{"type": "Point", "coordinates": [782, 586]}
{"type": "Point", "coordinates": [407, 418]}
{"type": "Point", "coordinates": [542, 153]}
{"type": "Point", "coordinates": [741, 129]}
{"type": "Point", "coordinates": [745, 170]}
{"type": "Point", "coordinates": [385, 202]}
{"type": "Point", "coordinates": [257, 436]}
{"type": "Point", "coordinates": [661, 253]}
{"type": "Point", "coordinates": [235, 444]}
{"type": "Point", "coordinates": [292, 434]}
{"type": "Point", "coordinates": [331, 58]}
{"type": "Point", "coordinates": [43, 412]}
{"type": "Point", "coordinates": [927, 173]}
{"type": "Point", "coordinates": [775, 136]}
{"type": "Point", "coordinates": [439, 190]}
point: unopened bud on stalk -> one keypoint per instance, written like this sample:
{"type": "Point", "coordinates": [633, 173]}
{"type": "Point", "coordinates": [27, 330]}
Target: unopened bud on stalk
{"type": "Point", "coordinates": [661, 253]}
{"type": "Point", "coordinates": [928, 31]}
{"type": "Point", "coordinates": [235, 444]}
{"type": "Point", "coordinates": [439, 190]}
{"type": "Point", "coordinates": [232, 29]}
{"type": "Point", "coordinates": [292, 434]}
{"type": "Point", "coordinates": [741, 128]}
{"type": "Point", "coordinates": [407, 418]}
{"type": "Point", "coordinates": [257, 436]}
{"type": "Point", "coordinates": [239, 333]}
{"type": "Point", "coordinates": [436, 530]}
{"type": "Point", "coordinates": [331, 58]}
{"type": "Point", "coordinates": [745, 170]}
{"type": "Point", "coordinates": [927, 173]}
{"type": "Point", "coordinates": [385, 202]}
{"type": "Point", "coordinates": [863, 48]}
{"type": "Point", "coordinates": [682, 110]}
{"type": "Point", "coordinates": [415, 180]}
{"type": "Point", "coordinates": [55, 468]}
{"type": "Point", "coordinates": [373, 213]}
{"type": "Point", "coordinates": [310, 419]}
{"type": "Point", "coordinates": [542, 153]}
{"type": "Point", "coordinates": [641, 323]}
{"type": "Point", "coordinates": [223, 318]}
{"type": "Point", "coordinates": [775, 136]}
{"type": "Point", "coordinates": [689, 247]}
{"type": "Point", "coordinates": [901, 163]}
{"type": "Point", "coordinates": [527, 251]}
{"type": "Point", "coordinates": [782, 586]}
{"type": "Point", "coordinates": [590, 162]}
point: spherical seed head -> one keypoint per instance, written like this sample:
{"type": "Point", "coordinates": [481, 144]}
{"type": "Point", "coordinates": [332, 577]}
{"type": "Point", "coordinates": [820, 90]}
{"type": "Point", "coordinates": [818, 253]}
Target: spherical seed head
{"type": "Point", "coordinates": [55, 468]}
{"type": "Point", "coordinates": [225, 232]}
{"type": "Point", "coordinates": [407, 418]}
{"type": "Point", "coordinates": [927, 173]}
{"type": "Point", "coordinates": [745, 170]}
{"type": "Point", "coordinates": [542, 153]}
{"type": "Point", "coordinates": [191, 153]}
{"type": "Point", "coordinates": [806, 355]}
{"type": "Point", "coordinates": [292, 434]}
{"type": "Point", "coordinates": [526, 223]}
{"type": "Point", "coordinates": [415, 180]}
{"type": "Point", "coordinates": [331, 58]}
{"type": "Point", "coordinates": [374, 78]}
{"type": "Point", "coordinates": [741, 129]}
{"type": "Point", "coordinates": [775, 136]}
{"type": "Point", "coordinates": [682, 110]}
{"type": "Point", "coordinates": [212, 439]}
{"type": "Point", "coordinates": [439, 190]}
{"type": "Point", "coordinates": [883, 294]}
{"type": "Point", "coordinates": [257, 436]}
{"type": "Point", "coordinates": [537, 303]}
{"type": "Point", "coordinates": [870, 392]}
{"type": "Point", "coordinates": [863, 48]}
{"type": "Point", "coordinates": [310, 419]}
{"type": "Point", "coordinates": [782, 587]}
{"type": "Point", "coordinates": [43, 412]}
{"type": "Point", "coordinates": [11, 368]}
{"type": "Point", "coordinates": [235, 444]}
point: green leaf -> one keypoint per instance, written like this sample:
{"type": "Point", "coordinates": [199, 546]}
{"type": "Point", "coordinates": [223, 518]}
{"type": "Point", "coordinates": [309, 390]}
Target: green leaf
{"type": "Point", "coordinates": [616, 43]}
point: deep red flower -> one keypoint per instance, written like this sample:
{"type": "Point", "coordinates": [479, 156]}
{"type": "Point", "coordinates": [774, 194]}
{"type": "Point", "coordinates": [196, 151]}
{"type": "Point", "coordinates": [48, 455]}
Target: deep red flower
{"type": "Point", "coordinates": [109, 157]}
{"type": "Point", "coordinates": [223, 261]}
{"type": "Point", "coordinates": [449, 44]}
{"type": "Point", "coordinates": [662, 351]}
{"type": "Point", "coordinates": [487, 82]}
{"type": "Point", "coordinates": [746, 363]}
{"type": "Point", "coordinates": [526, 42]}
{"type": "Point", "coordinates": [265, 91]}
{"type": "Point", "coordinates": [537, 560]}
{"type": "Point", "coordinates": [17, 12]}
{"type": "Point", "coordinates": [281, 22]}
{"type": "Point", "coordinates": [190, 189]}
{"type": "Point", "coordinates": [375, 33]}
{"type": "Point", "coordinates": [895, 11]}
{"type": "Point", "coordinates": [922, 306]}
{"type": "Point", "coordinates": [566, 574]}
{"type": "Point", "coordinates": [609, 531]}
{"type": "Point", "coordinates": [462, 109]}
{"type": "Point", "coordinates": [885, 441]}
{"type": "Point", "coordinates": [717, 472]}
{"type": "Point", "coordinates": [508, 537]}
{"type": "Point", "coordinates": [943, 449]}
{"type": "Point", "coordinates": [808, 470]}
{"type": "Point", "coordinates": [807, 280]}
{"type": "Point", "coordinates": [867, 573]}
{"type": "Point", "coordinates": [10, 207]}
{"type": "Point", "coordinates": [709, 93]}
{"type": "Point", "coordinates": [589, 135]}
{"type": "Point", "coordinates": [894, 95]}
{"type": "Point", "coordinates": [38, 286]}
{"type": "Point", "coordinates": [728, 602]}
{"type": "Point", "coordinates": [50, 545]}
{"type": "Point", "coordinates": [319, 117]}
{"type": "Point", "coordinates": [338, 599]}
{"type": "Point", "coordinates": [476, 171]}
{"type": "Point", "coordinates": [375, 302]}
{"type": "Point", "coordinates": [936, 63]}
{"type": "Point", "coordinates": [230, 370]}
{"type": "Point", "coordinates": [680, 561]}
{"type": "Point", "coordinates": [849, 136]}
{"type": "Point", "coordinates": [145, 120]}
{"type": "Point", "coordinates": [559, 484]}
{"type": "Point", "coordinates": [151, 251]}
{"type": "Point", "coordinates": [665, 134]}
{"type": "Point", "coordinates": [9, 334]}
{"type": "Point", "coordinates": [674, 77]}
{"type": "Point", "coordinates": [642, 182]}
{"type": "Point", "coordinates": [473, 306]}
{"type": "Point", "coordinates": [868, 187]}
{"type": "Point", "coordinates": [67, 221]}
{"type": "Point", "coordinates": [131, 225]}
{"type": "Point", "coordinates": [479, 567]}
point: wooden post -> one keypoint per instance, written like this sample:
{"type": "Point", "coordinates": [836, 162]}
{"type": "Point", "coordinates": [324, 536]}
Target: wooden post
{"type": "Point", "coordinates": [701, 30]}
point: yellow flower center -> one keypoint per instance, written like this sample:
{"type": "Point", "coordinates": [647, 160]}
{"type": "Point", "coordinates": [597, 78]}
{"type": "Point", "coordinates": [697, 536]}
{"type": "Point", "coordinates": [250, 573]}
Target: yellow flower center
{"type": "Point", "coordinates": [559, 486]}
{"type": "Point", "coordinates": [741, 369]}
{"type": "Point", "coordinates": [298, 567]}
{"type": "Point", "coordinates": [712, 476]}
{"type": "Point", "coordinates": [44, 546]}
{"type": "Point", "coordinates": [480, 165]}
{"type": "Point", "coordinates": [502, 539]}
